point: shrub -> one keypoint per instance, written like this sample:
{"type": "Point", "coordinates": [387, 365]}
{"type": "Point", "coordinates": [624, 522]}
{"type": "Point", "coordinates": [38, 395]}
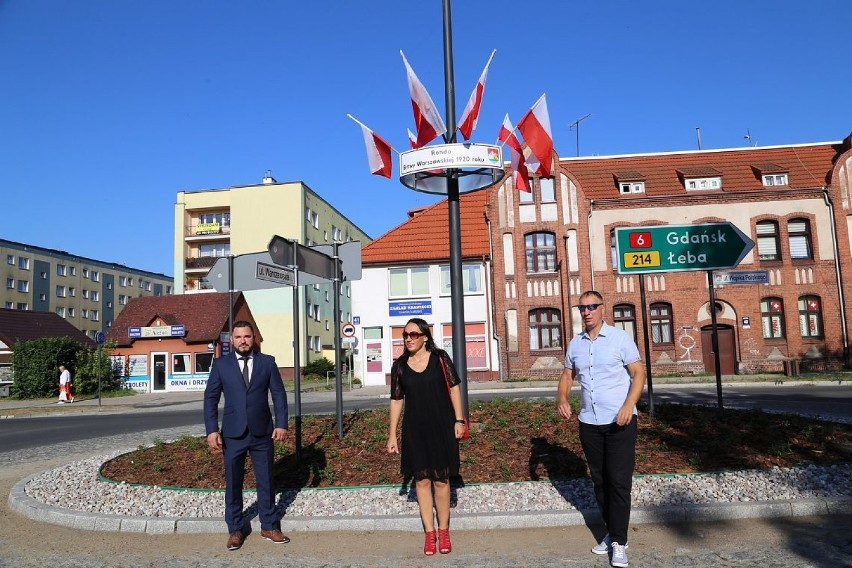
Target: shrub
{"type": "Point", "coordinates": [36, 363]}
{"type": "Point", "coordinates": [319, 367]}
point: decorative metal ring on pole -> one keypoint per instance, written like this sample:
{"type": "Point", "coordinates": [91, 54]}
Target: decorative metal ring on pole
{"type": "Point", "coordinates": [429, 169]}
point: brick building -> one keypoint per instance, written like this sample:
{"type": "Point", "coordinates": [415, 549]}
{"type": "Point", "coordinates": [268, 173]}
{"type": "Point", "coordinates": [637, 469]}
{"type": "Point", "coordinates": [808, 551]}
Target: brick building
{"type": "Point", "coordinates": [554, 243]}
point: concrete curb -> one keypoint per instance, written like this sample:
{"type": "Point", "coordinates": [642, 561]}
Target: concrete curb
{"type": "Point", "coordinates": [25, 505]}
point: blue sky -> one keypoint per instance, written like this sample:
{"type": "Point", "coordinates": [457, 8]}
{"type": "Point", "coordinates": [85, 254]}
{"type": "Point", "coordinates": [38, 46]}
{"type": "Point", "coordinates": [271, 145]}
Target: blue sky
{"type": "Point", "coordinates": [109, 107]}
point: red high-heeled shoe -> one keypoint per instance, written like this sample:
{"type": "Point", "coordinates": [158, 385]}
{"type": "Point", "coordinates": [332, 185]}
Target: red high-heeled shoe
{"type": "Point", "coordinates": [444, 544]}
{"type": "Point", "coordinates": [429, 544]}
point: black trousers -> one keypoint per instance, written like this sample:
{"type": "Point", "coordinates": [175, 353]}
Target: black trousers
{"type": "Point", "coordinates": [611, 454]}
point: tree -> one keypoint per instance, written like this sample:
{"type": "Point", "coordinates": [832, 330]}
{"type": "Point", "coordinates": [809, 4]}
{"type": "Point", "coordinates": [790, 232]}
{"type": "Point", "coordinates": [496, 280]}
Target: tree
{"type": "Point", "coordinates": [89, 365]}
{"type": "Point", "coordinates": [35, 365]}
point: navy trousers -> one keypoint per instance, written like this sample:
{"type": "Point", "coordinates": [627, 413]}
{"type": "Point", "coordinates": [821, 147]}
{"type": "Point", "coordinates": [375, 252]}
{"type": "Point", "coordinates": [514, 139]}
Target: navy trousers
{"type": "Point", "coordinates": [262, 457]}
{"type": "Point", "coordinates": [611, 454]}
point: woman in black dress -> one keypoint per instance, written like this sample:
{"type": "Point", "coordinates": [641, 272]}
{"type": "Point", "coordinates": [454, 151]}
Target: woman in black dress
{"type": "Point", "coordinates": [434, 421]}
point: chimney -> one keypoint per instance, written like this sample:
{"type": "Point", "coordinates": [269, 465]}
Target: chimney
{"type": "Point", "coordinates": [267, 178]}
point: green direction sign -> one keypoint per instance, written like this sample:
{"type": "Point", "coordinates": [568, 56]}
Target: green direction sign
{"type": "Point", "coordinates": [680, 248]}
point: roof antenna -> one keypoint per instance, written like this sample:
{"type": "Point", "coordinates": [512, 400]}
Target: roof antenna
{"type": "Point", "coordinates": [748, 137]}
{"type": "Point", "coordinates": [576, 126]}
{"type": "Point", "coordinates": [698, 135]}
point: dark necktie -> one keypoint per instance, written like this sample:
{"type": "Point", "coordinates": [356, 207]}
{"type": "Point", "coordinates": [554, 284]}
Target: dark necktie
{"type": "Point", "coordinates": [245, 361]}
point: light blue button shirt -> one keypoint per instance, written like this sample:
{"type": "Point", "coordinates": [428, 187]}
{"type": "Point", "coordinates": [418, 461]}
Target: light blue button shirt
{"type": "Point", "coordinates": [600, 369]}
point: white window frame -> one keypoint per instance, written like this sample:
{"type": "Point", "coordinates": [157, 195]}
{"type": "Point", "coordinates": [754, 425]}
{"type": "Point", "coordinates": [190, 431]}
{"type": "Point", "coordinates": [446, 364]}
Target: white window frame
{"type": "Point", "coordinates": [23, 263]}
{"type": "Point", "coordinates": [469, 269]}
{"type": "Point", "coordinates": [93, 315]}
{"type": "Point", "coordinates": [10, 259]}
{"type": "Point", "coordinates": [770, 180]}
{"type": "Point", "coordinates": [626, 187]}
{"type": "Point", "coordinates": [96, 276]}
{"type": "Point", "coordinates": [60, 311]}
{"type": "Point", "coordinates": [410, 291]}
{"type": "Point", "coordinates": [122, 280]}
{"type": "Point", "coordinates": [23, 285]}
{"type": "Point", "coordinates": [703, 184]}
{"type": "Point", "coordinates": [94, 296]}
{"type": "Point", "coordinates": [60, 291]}
{"type": "Point", "coordinates": [61, 269]}
{"type": "Point", "coordinates": [187, 358]}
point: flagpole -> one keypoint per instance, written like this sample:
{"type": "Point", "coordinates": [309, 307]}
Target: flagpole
{"type": "Point", "coordinates": [456, 289]}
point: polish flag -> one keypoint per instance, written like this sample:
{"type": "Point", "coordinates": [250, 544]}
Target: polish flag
{"type": "Point", "coordinates": [470, 115]}
{"type": "Point", "coordinates": [412, 139]}
{"type": "Point", "coordinates": [520, 173]}
{"type": "Point", "coordinates": [427, 120]}
{"type": "Point", "coordinates": [535, 128]}
{"type": "Point", "coordinates": [378, 151]}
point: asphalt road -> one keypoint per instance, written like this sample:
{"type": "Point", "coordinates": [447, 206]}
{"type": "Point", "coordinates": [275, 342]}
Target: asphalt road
{"type": "Point", "coordinates": [23, 432]}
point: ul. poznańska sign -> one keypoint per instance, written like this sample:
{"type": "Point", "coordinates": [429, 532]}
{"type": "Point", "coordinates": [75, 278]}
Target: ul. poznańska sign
{"type": "Point", "coordinates": [680, 248]}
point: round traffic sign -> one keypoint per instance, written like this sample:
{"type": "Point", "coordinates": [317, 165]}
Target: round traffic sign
{"type": "Point", "coordinates": [348, 330]}
{"type": "Point", "coordinates": [100, 338]}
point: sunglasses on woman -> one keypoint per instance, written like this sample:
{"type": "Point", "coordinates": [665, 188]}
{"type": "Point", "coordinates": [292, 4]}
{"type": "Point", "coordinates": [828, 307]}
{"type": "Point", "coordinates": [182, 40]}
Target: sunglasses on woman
{"type": "Point", "coordinates": [412, 335]}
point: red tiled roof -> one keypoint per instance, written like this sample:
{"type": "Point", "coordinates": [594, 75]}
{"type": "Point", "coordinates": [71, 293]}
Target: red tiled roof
{"type": "Point", "coordinates": [807, 165]}
{"type": "Point", "coordinates": [425, 236]}
{"type": "Point", "coordinates": [204, 316]}
{"type": "Point", "coordinates": [23, 325]}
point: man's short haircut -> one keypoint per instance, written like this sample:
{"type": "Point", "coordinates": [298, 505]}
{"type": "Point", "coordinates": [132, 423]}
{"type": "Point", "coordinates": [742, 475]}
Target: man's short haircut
{"type": "Point", "coordinates": [243, 323]}
{"type": "Point", "coordinates": [593, 293]}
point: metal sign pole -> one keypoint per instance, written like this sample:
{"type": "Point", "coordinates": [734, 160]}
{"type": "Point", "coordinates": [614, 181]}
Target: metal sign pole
{"type": "Point", "coordinates": [646, 344]}
{"type": "Point", "coordinates": [715, 338]}
{"type": "Point", "coordinates": [297, 382]}
{"type": "Point", "coordinates": [338, 380]}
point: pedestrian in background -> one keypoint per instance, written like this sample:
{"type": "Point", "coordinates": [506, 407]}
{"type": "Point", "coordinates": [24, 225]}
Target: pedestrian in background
{"type": "Point", "coordinates": [247, 379]}
{"type": "Point", "coordinates": [606, 362]}
{"type": "Point", "coordinates": [425, 381]}
{"type": "Point", "coordinates": [64, 385]}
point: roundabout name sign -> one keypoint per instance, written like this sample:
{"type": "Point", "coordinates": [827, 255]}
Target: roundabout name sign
{"type": "Point", "coordinates": [476, 165]}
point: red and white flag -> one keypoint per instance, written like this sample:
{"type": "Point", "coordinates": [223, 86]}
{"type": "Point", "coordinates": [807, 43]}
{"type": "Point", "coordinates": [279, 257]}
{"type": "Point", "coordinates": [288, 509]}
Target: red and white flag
{"type": "Point", "coordinates": [535, 128]}
{"type": "Point", "coordinates": [520, 173]}
{"type": "Point", "coordinates": [412, 139]}
{"type": "Point", "coordinates": [470, 115]}
{"type": "Point", "coordinates": [378, 151]}
{"type": "Point", "coordinates": [427, 120]}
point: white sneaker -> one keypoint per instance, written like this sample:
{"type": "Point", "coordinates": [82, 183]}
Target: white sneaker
{"type": "Point", "coordinates": [603, 546]}
{"type": "Point", "coordinates": [61, 402]}
{"type": "Point", "coordinates": [619, 555]}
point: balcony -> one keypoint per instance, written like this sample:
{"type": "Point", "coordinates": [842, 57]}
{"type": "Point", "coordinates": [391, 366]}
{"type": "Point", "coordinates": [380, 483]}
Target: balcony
{"type": "Point", "coordinates": [201, 262]}
{"type": "Point", "coordinates": [206, 230]}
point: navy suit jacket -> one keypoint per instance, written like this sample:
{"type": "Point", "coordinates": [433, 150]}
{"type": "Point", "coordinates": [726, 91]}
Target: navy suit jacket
{"type": "Point", "coordinates": [246, 408]}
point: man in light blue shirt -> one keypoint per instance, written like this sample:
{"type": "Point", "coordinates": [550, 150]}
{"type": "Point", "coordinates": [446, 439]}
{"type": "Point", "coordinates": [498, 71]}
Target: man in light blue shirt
{"type": "Point", "coordinates": [606, 362]}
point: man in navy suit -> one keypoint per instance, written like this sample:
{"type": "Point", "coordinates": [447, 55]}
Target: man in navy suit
{"type": "Point", "coordinates": [247, 378]}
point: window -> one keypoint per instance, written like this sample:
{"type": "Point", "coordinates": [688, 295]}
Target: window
{"type": "Point", "coordinates": [408, 282]}
{"type": "Point", "coordinates": [43, 275]}
{"type": "Point", "coordinates": [10, 283]}
{"type": "Point", "coordinates": [70, 312]}
{"type": "Point", "coordinates": [85, 294]}
{"type": "Point", "coordinates": [704, 183]}
{"type": "Point", "coordinates": [96, 276]}
{"type": "Point", "coordinates": [526, 196]}
{"type": "Point", "coordinates": [799, 234]}
{"type": "Point", "coordinates": [147, 286]}
{"type": "Point", "coordinates": [42, 297]}
{"type": "Point", "coordinates": [220, 219]}
{"type": "Point", "coordinates": [474, 343]}
{"type": "Point", "coordinates": [545, 329]}
{"type": "Point", "coordinates": [85, 273]}
{"type": "Point", "coordinates": [203, 362]}
{"type": "Point", "coordinates": [23, 306]}
{"type": "Point", "coordinates": [775, 179]}
{"type": "Point", "coordinates": [61, 270]}
{"type": "Point", "coordinates": [23, 285]}
{"type": "Point", "coordinates": [661, 323]}
{"type": "Point", "coordinates": [180, 363]}
{"type": "Point", "coordinates": [10, 259]}
{"type": "Point", "coordinates": [94, 296]}
{"type": "Point", "coordinates": [72, 292]}
{"type": "Point", "coordinates": [214, 250]}
{"type": "Point", "coordinates": [547, 191]}
{"type": "Point", "coordinates": [109, 286]}
{"type": "Point", "coordinates": [540, 252]}
{"type": "Point", "coordinates": [72, 271]}
{"type": "Point", "coordinates": [93, 315]}
{"type": "Point", "coordinates": [10, 305]}
{"type": "Point", "coordinates": [109, 305]}
{"type": "Point", "coordinates": [471, 279]}
{"type": "Point", "coordinates": [84, 314]}
{"type": "Point", "coordinates": [767, 240]}
{"type": "Point", "coordinates": [772, 318]}
{"type": "Point", "coordinates": [122, 280]}
{"type": "Point", "coordinates": [122, 299]}
{"type": "Point", "coordinates": [60, 311]}
{"type": "Point", "coordinates": [130, 281]}
{"type": "Point", "coordinates": [627, 187]}
{"type": "Point", "coordinates": [60, 291]}
{"type": "Point", "coordinates": [23, 263]}
{"type": "Point", "coordinates": [624, 317]}
{"type": "Point", "coordinates": [140, 282]}
{"type": "Point", "coordinates": [168, 289]}
{"type": "Point", "coordinates": [810, 316]}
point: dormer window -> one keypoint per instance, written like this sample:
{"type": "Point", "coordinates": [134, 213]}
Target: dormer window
{"type": "Point", "coordinates": [632, 187]}
{"type": "Point", "coordinates": [770, 180]}
{"type": "Point", "coordinates": [630, 182]}
{"type": "Point", "coordinates": [700, 178]}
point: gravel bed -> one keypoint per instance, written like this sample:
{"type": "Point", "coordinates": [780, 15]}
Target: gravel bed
{"type": "Point", "coordinates": [81, 489]}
